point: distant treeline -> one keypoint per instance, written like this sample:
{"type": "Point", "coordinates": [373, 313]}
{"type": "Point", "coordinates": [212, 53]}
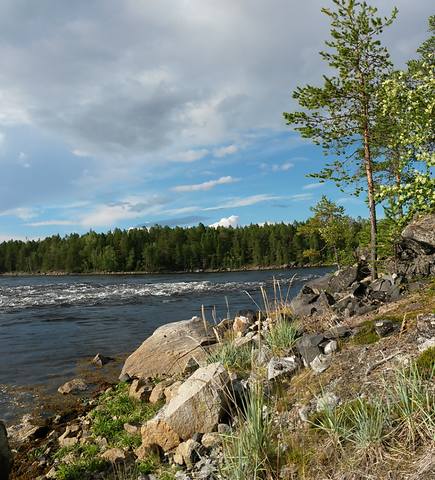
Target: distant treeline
{"type": "Point", "coordinates": [177, 249]}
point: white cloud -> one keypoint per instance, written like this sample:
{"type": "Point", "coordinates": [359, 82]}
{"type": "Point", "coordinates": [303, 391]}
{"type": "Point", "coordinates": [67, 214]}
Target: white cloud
{"type": "Point", "coordinates": [190, 155]}
{"type": "Point", "coordinates": [301, 196]}
{"type": "Point", "coordinates": [231, 221]}
{"type": "Point", "coordinates": [80, 153]}
{"type": "Point", "coordinates": [245, 202]}
{"type": "Point", "coordinates": [224, 151]}
{"type": "Point", "coordinates": [282, 167]}
{"type": "Point", "coordinates": [23, 213]}
{"type": "Point", "coordinates": [205, 185]}
{"type": "Point", "coordinates": [47, 223]}
{"type": "Point", "coordinates": [312, 186]}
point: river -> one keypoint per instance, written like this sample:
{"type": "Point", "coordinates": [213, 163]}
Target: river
{"type": "Point", "coordinates": [49, 324]}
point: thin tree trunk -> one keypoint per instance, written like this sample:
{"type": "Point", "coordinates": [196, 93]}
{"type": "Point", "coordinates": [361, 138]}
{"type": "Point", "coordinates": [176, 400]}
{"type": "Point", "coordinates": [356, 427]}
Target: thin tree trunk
{"type": "Point", "coordinates": [372, 204]}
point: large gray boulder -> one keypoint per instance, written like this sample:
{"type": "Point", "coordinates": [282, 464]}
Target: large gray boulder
{"type": "Point", "coordinates": [169, 349]}
{"type": "Point", "coordinates": [421, 231]}
{"type": "Point", "coordinates": [5, 453]}
{"type": "Point", "coordinates": [197, 407]}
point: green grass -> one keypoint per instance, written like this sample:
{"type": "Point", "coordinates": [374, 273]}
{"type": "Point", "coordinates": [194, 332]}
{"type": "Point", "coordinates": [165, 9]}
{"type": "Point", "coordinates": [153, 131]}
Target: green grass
{"type": "Point", "coordinates": [115, 409]}
{"type": "Point", "coordinates": [232, 357]}
{"type": "Point", "coordinates": [281, 336]}
{"type": "Point", "coordinates": [366, 334]}
{"type": "Point", "coordinates": [425, 363]}
{"type": "Point", "coordinates": [249, 452]}
{"type": "Point", "coordinates": [86, 462]}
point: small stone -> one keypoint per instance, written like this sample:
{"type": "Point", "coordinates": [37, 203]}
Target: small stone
{"type": "Point", "coordinates": [100, 360]}
{"type": "Point", "coordinates": [321, 363]}
{"type": "Point", "coordinates": [73, 386]}
{"type": "Point", "coordinates": [282, 367]}
{"type": "Point", "coordinates": [140, 390]}
{"type": "Point", "coordinates": [116, 456]}
{"type": "Point", "coordinates": [240, 324]}
{"type": "Point", "coordinates": [158, 392]}
{"type": "Point", "coordinates": [384, 327]}
{"type": "Point", "coordinates": [211, 440]}
{"type": "Point", "coordinates": [426, 344]}
{"type": "Point", "coordinates": [187, 453]}
{"type": "Point", "coordinates": [330, 347]}
{"type": "Point", "coordinates": [224, 429]}
{"type": "Point", "coordinates": [132, 429]}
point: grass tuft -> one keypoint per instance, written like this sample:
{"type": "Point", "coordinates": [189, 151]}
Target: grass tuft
{"type": "Point", "coordinates": [281, 336]}
{"type": "Point", "coordinates": [366, 334]}
{"type": "Point", "coordinates": [232, 357]}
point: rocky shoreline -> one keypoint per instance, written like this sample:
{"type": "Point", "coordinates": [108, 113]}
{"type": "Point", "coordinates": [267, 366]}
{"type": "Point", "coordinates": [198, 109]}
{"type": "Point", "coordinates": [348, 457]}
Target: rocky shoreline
{"type": "Point", "coordinates": [191, 396]}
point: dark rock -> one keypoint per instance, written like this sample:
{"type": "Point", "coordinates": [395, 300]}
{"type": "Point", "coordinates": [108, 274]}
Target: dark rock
{"type": "Point", "coordinates": [100, 360]}
{"type": "Point", "coordinates": [308, 347]}
{"type": "Point", "coordinates": [317, 285]}
{"type": "Point", "coordinates": [251, 315]}
{"type": "Point", "coordinates": [384, 327]}
{"type": "Point", "coordinates": [308, 303]}
{"type": "Point", "coordinates": [422, 232]}
{"type": "Point", "coordinates": [5, 453]}
{"type": "Point", "coordinates": [347, 276]}
{"type": "Point", "coordinates": [339, 331]}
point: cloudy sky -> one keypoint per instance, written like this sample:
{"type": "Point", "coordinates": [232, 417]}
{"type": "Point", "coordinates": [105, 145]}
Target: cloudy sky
{"type": "Point", "coordinates": [117, 113]}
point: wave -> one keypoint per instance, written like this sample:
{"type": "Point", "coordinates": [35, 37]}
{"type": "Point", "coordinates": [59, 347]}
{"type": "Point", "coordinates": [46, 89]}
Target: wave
{"type": "Point", "coordinates": [65, 294]}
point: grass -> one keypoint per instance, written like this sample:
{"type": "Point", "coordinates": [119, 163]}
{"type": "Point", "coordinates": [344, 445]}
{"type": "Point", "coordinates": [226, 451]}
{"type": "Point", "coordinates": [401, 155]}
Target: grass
{"type": "Point", "coordinates": [86, 462]}
{"type": "Point", "coordinates": [425, 363]}
{"type": "Point", "coordinates": [249, 452]}
{"type": "Point", "coordinates": [233, 358]}
{"type": "Point", "coordinates": [281, 336]}
{"type": "Point", "coordinates": [115, 409]}
{"type": "Point", "coordinates": [366, 334]}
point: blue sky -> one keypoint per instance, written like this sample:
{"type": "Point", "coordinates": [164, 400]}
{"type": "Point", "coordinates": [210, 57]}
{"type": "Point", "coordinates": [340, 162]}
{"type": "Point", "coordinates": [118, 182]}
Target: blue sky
{"type": "Point", "coordinates": [118, 114]}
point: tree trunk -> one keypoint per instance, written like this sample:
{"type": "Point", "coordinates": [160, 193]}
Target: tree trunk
{"type": "Point", "coordinates": [372, 204]}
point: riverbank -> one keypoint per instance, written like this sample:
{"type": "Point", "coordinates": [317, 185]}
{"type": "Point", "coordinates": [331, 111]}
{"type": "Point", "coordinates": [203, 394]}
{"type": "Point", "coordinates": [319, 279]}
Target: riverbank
{"type": "Point", "coordinates": [168, 272]}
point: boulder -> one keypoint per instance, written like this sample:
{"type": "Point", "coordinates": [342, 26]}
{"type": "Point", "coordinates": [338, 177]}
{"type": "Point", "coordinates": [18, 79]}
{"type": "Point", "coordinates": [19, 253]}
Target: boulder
{"type": "Point", "coordinates": [198, 406]}
{"type": "Point", "coordinates": [5, 453]}
{"type": "Point", "coordinates": [421, 231]}
{"type": "Point", "coordinates": [282, 367]}
{"type": "Point", "coordinates": [307, 302]}
{"type": "Point", "coordinates": [169, 349]}
{"type": "Point", "coordinates": [76, 385]}
{"type": "Point", "coordinates": [308, 347]}
{"type": "Point", "coordinates": [344, 278]}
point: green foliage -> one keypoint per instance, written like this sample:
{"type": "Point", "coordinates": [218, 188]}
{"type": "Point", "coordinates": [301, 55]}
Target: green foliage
{"type": "Point", "coordinates": [249, 452]}
{"type": "Point", "coordinates": [281, 336]}
{"type": "Point", "coordinates": [232, 357]}
{"type": "Point", "coordinates": [115, 409]}
{"type": "Point", "coordinates": [164, 248]}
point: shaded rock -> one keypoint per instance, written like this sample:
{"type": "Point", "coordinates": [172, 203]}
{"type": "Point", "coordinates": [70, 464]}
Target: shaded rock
{"type": "Point", "coordinates": [198, 406]}
{"type": "Point", "coordinates": [251, 315]}
{"type": "Point", "coordinates": [76, 385]}
{"type": "Point", "coordinates": [422, 231]}
{"type": "Point", "coordinates": [100, 360]}
{"type": "Point", "coordinates": [140, 390]}
{"type": "Point", "coordinates": [5, 453]}
{"type": "Point", "coordinates": [384, 327]}
{"type": "Point", "coordinates": [344, 278]}
{"type": "Point", "coordinates": [169, 349]}
{"type": "Point", "coordinates": [308, 347]}
{"type": "Point", "coordinates": [187, 453]}
{"type": "Point", "coordinates": [339, 331]}
{"type": "Point", "coordinates": [282, 367]}
{"type": "Point", "coordinates": [158, 392]}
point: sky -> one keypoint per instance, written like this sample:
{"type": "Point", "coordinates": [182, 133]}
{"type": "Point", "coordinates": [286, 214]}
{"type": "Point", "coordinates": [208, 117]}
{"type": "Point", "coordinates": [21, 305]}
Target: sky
{"type": "Point", "coordinates": [135, 112]}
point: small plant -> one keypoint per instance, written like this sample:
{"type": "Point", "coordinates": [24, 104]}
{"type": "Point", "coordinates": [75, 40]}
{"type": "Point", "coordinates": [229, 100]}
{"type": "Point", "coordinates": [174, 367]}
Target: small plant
{"type": "Point", "coordinates": [281, 336]}
{"type": "Point", "coordinates": [115, 409]}
{"type": "Point", "coordinates": [425, 363]}
{"type": "Point", "coordinates": [85, 464]}
{"type": "Point", "coordinates": [249, 452]}
{"type": "Point", "coordinates": [232, 357]}
{"type": "Point", "coordinates": [414, 405]}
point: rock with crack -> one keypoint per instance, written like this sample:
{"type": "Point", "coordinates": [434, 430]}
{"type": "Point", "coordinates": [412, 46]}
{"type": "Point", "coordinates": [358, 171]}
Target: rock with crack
{"type": "Point", "coordinates": [169, 349]}
{"type": "Point", "coordinates": [198, 406]}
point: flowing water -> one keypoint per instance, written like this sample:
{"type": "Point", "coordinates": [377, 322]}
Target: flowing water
{"type": "Point", "coordinates": [49, 324]}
